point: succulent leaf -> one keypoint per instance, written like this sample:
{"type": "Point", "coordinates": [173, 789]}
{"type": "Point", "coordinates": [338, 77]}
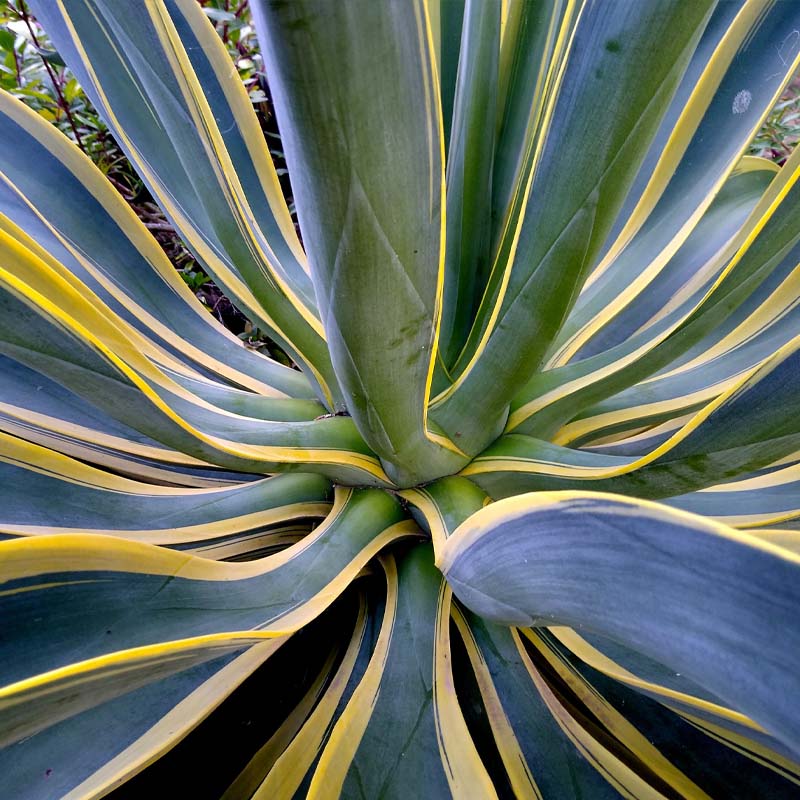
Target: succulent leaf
{"type": "Point", "coordinates": [521, 517]}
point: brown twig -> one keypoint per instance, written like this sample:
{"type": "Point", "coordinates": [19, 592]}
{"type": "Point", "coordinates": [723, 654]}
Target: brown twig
{"type": "Point", "coordinates": [226, 6]}
{"type": "Point", "coordinates": [16, 65]}
{"type": "Point", "coordinates": [62, 101]}
{"type": "Point", "coordinates": [121, 188]}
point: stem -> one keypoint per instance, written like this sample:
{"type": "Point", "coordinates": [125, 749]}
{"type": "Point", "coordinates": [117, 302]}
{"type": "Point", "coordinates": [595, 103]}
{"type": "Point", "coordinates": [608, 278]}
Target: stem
{"type": "Point", "coordinates": [121, 188]}
{"type": "Point", "coordinates": [62, 101]}
{"type": "Point", "coordinates": [227, 7]}
{"type": "Point", "coordinates": [16, 64]}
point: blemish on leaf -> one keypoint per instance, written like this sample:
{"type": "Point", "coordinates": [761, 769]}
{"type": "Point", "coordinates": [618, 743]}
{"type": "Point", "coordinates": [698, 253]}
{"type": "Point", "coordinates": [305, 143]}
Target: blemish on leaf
{"type": "Point", "coordinates": [741, 102]}
{"type": "Point", "coordinates": [613, 46]}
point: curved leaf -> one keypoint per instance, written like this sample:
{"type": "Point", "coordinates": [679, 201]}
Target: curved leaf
{"type": "Point", "coordinates": [129, 61]}
{"type": "Point", "coordinates": [762, 248]}
{"type": "Point", "coordinates": [104, 613]}
{"type": "Point", "coordinates": [403, 725]}
{"type": "Point", "coordinates": [707, 448]}
{"type": "Point", "coordinates": [703, 598]}
{"type": "Point", "coordinates": [42, 493]}
{"type": "Point", "coordinates": [639, 54]}
{"type": "Point", "coordinates": [53, 193]}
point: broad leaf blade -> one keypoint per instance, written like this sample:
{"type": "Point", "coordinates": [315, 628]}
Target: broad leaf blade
{"type": "Point", "coordinates": [403, 725]}
{"type": "Point", "coordinates": [618, 80]}
{"type": "Point", "coordinates": [668, 584]}
{"type": "Point", "coordinates": [370, 195]}
{"type": "Point", "coordinates": [132, 64]}
{"type": "Point", "coordinates": [54, 195]}
{"type": "Point", "coordinates": [101, 612]}
{"type": "Point", "coordinates": [469, 175]}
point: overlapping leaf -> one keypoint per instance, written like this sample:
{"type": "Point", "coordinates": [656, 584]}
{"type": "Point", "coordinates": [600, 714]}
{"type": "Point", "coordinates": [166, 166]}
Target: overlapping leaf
{"type": "Point", "coordinates": [527, 270]}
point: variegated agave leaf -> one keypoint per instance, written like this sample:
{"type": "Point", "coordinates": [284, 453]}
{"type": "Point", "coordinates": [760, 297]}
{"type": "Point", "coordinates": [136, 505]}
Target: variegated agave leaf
{"type": "Point", "coordinates": [524, 521]}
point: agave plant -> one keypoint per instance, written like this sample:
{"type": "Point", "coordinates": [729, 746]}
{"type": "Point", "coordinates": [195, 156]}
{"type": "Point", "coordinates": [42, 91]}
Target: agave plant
{"type": "Point", "coordinates": [523, 521]}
